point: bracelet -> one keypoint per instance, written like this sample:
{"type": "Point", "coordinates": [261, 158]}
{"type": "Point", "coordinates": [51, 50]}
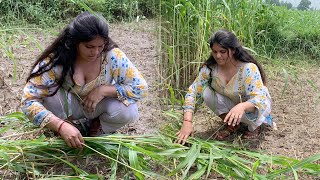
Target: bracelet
{"type": "Point", "coordinates": [122, 99]}
{"type": "Point", "coordinates": [60, 127]}
{"type": "Point", "coordinates": [187, 120]}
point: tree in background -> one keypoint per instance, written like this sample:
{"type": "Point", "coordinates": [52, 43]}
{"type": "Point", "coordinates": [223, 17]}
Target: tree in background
{"type": "Point", "coordinates": [304, 5]}
{"type": "Point", "coordinates": [288, 5]}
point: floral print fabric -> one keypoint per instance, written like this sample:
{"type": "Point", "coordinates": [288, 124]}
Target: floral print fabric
{"type": "Point", "coordinates": [116, 70]}
{"type": "Point", "coordinates": [245, 85]}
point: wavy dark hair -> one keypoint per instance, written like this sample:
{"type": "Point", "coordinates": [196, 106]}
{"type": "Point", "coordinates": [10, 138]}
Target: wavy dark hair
{"type": "Point", "coordinates": [228, 40]}
{"type": "Point", "coordinates": [63, 51]}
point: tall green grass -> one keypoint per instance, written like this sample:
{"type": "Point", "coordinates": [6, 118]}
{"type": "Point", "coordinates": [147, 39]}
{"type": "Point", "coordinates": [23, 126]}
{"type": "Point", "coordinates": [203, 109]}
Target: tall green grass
{"type": "Point", "coordinates": [143, 156]}
{"type": "Point", "coordinates": [48, 13]}
{"type": "Point", "coordinates": [299, 34]}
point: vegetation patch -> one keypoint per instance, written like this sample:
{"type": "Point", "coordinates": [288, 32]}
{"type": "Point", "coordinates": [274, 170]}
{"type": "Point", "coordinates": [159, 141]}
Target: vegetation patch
{"type": "Point", "coordinates": [138, 155]}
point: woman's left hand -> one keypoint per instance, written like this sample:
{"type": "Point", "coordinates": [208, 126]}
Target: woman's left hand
{"type": "Point", "coordinates": [92, 99]}
{"type": "Point", "coordinates": [235, 115]}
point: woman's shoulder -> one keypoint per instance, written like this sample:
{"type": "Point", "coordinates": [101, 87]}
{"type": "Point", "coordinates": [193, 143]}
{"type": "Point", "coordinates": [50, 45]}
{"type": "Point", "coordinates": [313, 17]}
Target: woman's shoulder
{"type": "Point", "coordinates": [56, 68]}
{"type": "Point", "coordinates": [207, 69]}
{"type": "Point", "coordinates": [115, 52]}
{"type": "Point", "coordinates": [44, 63]}
{"type": "Point", "coordinates": [250, 66]}
{"type": "Point", "coordinates": [115, 55]}
{"type": "Point", "coordinates": [208, 66]}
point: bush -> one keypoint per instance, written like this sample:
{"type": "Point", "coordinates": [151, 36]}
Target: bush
{"type": "Point", "coordinates": [49, 12]}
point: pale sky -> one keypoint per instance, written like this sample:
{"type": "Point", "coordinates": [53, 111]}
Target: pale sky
{"type": "Point", "coordinates": [295, 3]}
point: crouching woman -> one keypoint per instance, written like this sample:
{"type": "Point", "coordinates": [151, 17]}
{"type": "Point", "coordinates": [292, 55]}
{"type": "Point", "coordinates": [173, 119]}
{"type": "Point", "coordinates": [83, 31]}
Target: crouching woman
{"type": "Point", "coordinates": [82, 82]}
{"type": "Point", "coordinates": [232, 84]}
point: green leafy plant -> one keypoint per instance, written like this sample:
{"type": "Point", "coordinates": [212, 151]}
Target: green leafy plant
{"type": "Point", "coordinates": [140, 154]}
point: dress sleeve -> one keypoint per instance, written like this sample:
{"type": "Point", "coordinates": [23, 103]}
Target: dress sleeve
{"type": "Point", "coordinates": [129, 82]}
{"type": "Point", "coordinates": [33, 93]}
{"type": "Point", "coordinates": [256, 92]}
{"type": "Point", "coordinates": [195, 91]}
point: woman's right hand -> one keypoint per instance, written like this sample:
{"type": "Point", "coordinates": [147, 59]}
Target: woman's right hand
{"type": "Point", "coordinates": [71, 135]}
{"type": "Point", "coordinates": [184, 132]}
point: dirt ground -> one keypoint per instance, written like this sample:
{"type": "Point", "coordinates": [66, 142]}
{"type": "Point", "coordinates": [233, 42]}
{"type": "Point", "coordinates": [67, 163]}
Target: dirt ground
{"type": "Point", "coordinates": [296, 112]}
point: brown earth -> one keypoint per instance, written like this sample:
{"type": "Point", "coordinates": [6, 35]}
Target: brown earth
{"type": "Point", "coordinates": [296, 112]}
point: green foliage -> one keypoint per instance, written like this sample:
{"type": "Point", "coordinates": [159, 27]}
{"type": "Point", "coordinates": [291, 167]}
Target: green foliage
{"type": "Point", "coordinates": [141, 154]}
{"type": "Point", "coordinates": [123, 9]}
{"type": "Point", "coordinates": [299, 34]}
{"type": "Point", "coordinates": [51, 12]}
{"type": "Point", "coordinates": [41, 12]}
{"type": "Point", "coordinates": [185, 28]}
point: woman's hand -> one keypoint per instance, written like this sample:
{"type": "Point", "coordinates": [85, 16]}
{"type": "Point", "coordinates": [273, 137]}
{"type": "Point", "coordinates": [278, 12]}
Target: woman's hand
{"type": "Point", "coordinates": [92, 99]}
{"type": "Point", "coordinates": [235, 115]}
{"type": "Point", "coordinates": [71, 135]}
{"type": "Point", "coordinates": [184, 132]}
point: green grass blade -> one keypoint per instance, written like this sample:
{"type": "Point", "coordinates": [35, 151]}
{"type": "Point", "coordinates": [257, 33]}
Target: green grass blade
{"type": "Point", "coordinates": [254, 169]}
{"type": "Point", "coordinates": [211, 158]}
{"type": "Point", "coordinates": [189, 159]}
{"type": "Point", "coordinates": [114, 167]}
{"type": "Point", "coordinates": [286, 80]}
{"type": "Point", "coordinates": [296, 166]}
{"type": "Point", "coordinates": [134, 162]}
{"type": "Point", "coordinates": [75, 168]}
{"type": "Point", "coordinates": [192, 160]}
{"type": "Point", "coordinates": [198, 174]}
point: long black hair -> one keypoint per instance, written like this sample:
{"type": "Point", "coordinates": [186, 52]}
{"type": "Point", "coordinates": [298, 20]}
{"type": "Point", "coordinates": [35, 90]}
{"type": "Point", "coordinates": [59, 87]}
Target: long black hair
{"type": "Point", "coordinates": [228, 40]}
{"type": "Point", "coordinates": [63, 51]}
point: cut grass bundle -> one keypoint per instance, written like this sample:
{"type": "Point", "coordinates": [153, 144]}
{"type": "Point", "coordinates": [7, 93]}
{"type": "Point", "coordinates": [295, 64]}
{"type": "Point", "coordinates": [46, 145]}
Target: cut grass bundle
{"type": "Point", "coordinates": [150, 157]}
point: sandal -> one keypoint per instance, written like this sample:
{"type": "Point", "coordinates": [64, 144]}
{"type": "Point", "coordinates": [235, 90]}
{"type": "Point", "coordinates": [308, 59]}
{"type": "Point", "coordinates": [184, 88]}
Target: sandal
{"type": "Point", "coordinates": [224, 134]}
{"type": "Point", "coordinates": [252, 134]}
{"type": "Point", "coordinates": [95, 128]}
{"type": "Point", "coordinates": [81, 124]}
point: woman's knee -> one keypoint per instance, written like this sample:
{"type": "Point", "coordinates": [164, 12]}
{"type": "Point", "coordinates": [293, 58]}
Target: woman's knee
{"type": "Point", "coordinates": [55, 104]}
{"type": "Point", "coordinates": [116, 121]}
{"type": "Point", "coordinates": [208, 96]}
{"type": "Point", "coordinates": [122, 115]}
{"type": "Point", "coordinates": [63, 105]}
{"type": "Point", "coordinates": [129, 113]}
